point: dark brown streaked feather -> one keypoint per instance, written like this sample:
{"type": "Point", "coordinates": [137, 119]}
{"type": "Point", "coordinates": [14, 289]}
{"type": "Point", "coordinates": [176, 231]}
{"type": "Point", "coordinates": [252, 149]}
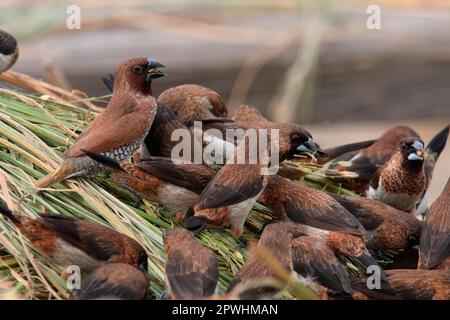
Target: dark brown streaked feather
{"type": "Point", "coordinates": [113, 281]}
{"type": "Point", "coordinates": [191, 270]}
{"type": "Point", "coordinates": [435, 239]}
{"type": "Point", "coordinates": [308, 206]}
{"type": "Point", "coordinates": [312, 257]}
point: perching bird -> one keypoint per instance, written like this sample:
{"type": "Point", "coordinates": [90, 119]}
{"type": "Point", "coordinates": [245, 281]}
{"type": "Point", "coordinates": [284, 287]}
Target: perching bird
{"type": "Point", "coordinates": [192, 102]}
{"type": "Point", "coordinates": [113, 281]}
{"type": "Point", "coordinates": [9, 51]}
{"type": "Point", "coordinates": [387, 228]}
{"type": "Point", "coordinates": [319, 215]}
{"type": "Point", "coordinates": [434, 250]}
{"type": "Point", "coordinates": [400, 182]}
{"type": "Point", "coordinates": [432, 152]}
{"type": "Point", "coordinates": [191, 270]}
{"type": "Point", "coordinates": [251, 116]}
{"type": "Point", "coordinates": [175, 186]}
{"type": "Point", "coordinates": [408, 284]}
{"type": "Point", "coordinates": [69, 241]}
{"type": "Point", "coordinates": [276, 239]}
{"type": "Point", "coordinates": [364, 163]}
{"type": "Point", "coordinates": [122, 126]}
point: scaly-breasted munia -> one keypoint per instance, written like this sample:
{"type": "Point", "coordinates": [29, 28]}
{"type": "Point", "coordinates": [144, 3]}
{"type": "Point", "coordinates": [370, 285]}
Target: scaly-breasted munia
{"type": "Point", "coordinates": [401, 181]}
{"type": "Point", "coordinates": [122, 126]}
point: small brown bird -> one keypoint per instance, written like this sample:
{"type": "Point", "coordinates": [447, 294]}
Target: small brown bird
{"type": "Point", "coordinates": [434, 250]}
{"type": "Point", "coordinates": [251, 116]}
{"type": "Point", "coordinates": [192, 102]}
{"type": "Point", "coordinates": [69, 241]}
{"type": "Point", "coordinates": [319, 216]}
{"type": "Point", "coordinates": [276, 238]}
{"type": "Point", "coordinates": [364, 163]}
{"type": "Point", "coordinates": [176, 186]}
{"type": "Point", "coordinates": [9, 51]}
{"type": "Point", "coordinates": [191, 270]}
{"type": "Point", "coordinates": [400, 182]}
{"type": "Point", "coordinates": [120, 129]}
{"type": "Point", "coordinates": [387, 228]}
{"type": "Point", "coordinates": [113, 281]}
{"type": "Point", "coordinates": [409, 284]}
{"type": "Point", "coordinates": [432, 152]}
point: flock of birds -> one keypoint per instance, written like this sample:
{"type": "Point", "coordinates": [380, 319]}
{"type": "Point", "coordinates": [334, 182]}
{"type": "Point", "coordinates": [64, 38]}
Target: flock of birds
{"type": "Point", "coordinates": [311, 228]}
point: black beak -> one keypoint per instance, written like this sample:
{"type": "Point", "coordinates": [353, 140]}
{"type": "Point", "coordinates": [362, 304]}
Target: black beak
{"type": "Point", "coordinates": [307, 147]}
{"type": "Point", "coordinates": [153, 71]}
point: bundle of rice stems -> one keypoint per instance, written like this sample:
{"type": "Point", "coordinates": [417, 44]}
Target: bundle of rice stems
{"type": "Point", "coordinates": [35, 129]}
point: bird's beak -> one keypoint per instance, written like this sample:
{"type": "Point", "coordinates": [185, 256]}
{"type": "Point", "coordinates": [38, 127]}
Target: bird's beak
{"type": "Point", "coordinates": [418, 153]}
{"type": "Point", "coordinates": [307, 147]}
{"type": "Point", "coordinates": [153, 70]}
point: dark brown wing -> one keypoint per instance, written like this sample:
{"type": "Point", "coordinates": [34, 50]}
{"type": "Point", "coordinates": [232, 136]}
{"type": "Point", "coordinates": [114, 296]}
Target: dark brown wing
{"type": "Point", "coordinates": [121, 126]}
{"type": "Point", "coordinates": [193, 177]}
{"type": "Point", "coordinates": [234, 183]}
{"type": "Point", "coordinates": [317, 209]}
{"type": "Point", "coordinates": [114, 281]}
{"type": "Point", "coordinates": [191, 273]}
{"type": "Point", "coordinates": [159, 138]}
{"type": "Point", "coordinates": [97, 241]}
{"type": "Point", "coordinates": [312, 257]}
{"type": "Point", "coordinates": [435, 238]}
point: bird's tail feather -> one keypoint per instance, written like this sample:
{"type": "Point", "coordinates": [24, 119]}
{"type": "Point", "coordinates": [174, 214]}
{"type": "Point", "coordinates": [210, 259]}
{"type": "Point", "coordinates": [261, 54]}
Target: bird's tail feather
{"type": "Point", "coordinates": [437, 144]}
{"type": "Point", "coordinates": [8, 213]}
{"type": "Point", "coordinates": [65, 171]}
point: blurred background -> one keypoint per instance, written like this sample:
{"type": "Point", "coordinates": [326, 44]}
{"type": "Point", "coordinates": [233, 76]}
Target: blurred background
{"type": "Point", "coordinates": [311, 62]}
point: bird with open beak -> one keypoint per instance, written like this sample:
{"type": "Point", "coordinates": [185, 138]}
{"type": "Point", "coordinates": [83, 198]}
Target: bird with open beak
{"type": "Point", "coordinates": [191, 102]}
{"type": "Point", "coordinates": [387, 228]}
{"type": "Point", "coordinates": [175, 186]}
{"type": "Point", "coordinates": [319, 215]}
{"type": "Point", "coordinates": [434, 249]}
{"type": "Point", "coordinates": [69, 241]}
{"type": "Point", "coordinates": [120, 128]}
{"type": "Point", "coordinates": [113, 281]}
{"type": "Point", "coordinates": [229, 197]}
{"type": "Point", "coordinates": [363, 164]}
{"type": "Point", "coordinates": [191, 270]}
{"type": "Point", "coordinates": [9, 51]}
{"type": "Point", "coordinates": [400, 182]}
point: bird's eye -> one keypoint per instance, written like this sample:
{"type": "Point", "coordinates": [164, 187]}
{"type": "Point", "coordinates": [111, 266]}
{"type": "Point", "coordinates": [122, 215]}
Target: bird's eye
{"type": "Point", "coordinates": [403, 145]}
{"type": "Point", "coordinates": [138, 69]}
{"type": "Point", "coordinates": [295, 138]}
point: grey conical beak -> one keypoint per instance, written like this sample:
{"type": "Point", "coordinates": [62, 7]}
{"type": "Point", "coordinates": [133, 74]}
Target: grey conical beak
{"type": "Point", "coordinates": [307, 147]}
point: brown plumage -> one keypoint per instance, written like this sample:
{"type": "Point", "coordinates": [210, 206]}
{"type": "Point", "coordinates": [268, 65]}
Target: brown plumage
{"type": "Point", "coordinates": [192, 102]}
{"type": "Point", "coordinates": [252, 117]}
{"type": "Point", "coordinates": [176, 186]}
{"type": "Point", "coordinates": [276, 239]}
{"type": "Point", "coordinates": [434, 252]}
{"type": "Point", "coordinates": [9, 51]}
{"type": "Point", "coordinates": [409, 284]}
{"type": "Point", "coordinates": [400, 182]}
{"type": "Point", "coordinates": [122, 126]}
{"type": "Point", "coordinates": [364, 163]}
{"type": "Point", "coordinates": [191, 270]}
{"type": "Point", "coordinates": [113, 281]}
{"type": "Point", "coordinates": [387, 228]}
{"type": "Point", "coordinates": [70, 241]}
{"type": "Point", "coordinates": [230, 195]}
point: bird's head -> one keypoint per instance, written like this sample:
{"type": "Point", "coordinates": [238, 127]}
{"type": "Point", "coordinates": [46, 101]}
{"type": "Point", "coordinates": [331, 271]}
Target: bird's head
{"type": "Point", "coordinates": [9, 51]}
{"type": "Point", "coordinates": [412, 149]}
{"type": "Point", "coordinates": [143, 261]}
{"type": "Point", "coordinates": [295, 141]}
{"type": "Point", "coordinates": [137, 74]}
